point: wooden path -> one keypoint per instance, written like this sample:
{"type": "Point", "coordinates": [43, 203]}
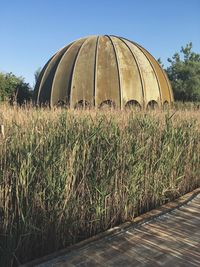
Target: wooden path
{"type": "Point", "coordinates": [171, 240]}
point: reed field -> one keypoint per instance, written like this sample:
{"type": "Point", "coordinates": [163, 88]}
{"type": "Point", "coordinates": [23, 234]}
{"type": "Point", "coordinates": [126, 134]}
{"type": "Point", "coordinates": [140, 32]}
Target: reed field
{"type": "Point", "coordinates": [67, 175]}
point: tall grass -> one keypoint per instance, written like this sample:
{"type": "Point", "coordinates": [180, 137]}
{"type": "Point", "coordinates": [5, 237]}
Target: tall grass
{"type": "Point", "coordinates": [67, 175]}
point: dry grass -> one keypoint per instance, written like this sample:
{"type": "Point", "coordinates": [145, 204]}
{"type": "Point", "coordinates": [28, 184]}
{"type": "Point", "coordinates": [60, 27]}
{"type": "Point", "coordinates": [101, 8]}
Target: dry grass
{"type": "Point", "coordinates": [67, 175]}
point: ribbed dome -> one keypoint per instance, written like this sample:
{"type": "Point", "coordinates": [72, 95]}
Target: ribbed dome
{"type": "Point", "coordinates": [99, 70]}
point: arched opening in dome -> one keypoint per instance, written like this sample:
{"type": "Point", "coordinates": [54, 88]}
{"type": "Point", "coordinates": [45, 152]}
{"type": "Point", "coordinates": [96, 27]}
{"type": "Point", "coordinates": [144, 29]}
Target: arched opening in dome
{"type": "Point", "coordinates": [166, 105]}
{"type": "Point", "coordinates": [82, 104]}
{"type": "Point", "coordinates": [107, 104]}
{"type": "Point", "coordinates": [60, 104]}
{"type": "Point", "coordinates": [133, 105]}
{"type": "Point", "coordinates": [152, 105]}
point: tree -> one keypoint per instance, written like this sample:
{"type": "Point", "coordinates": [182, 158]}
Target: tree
{"type": "Point", "coordinates": [13, 88]}
{"type": "Point", "coordinates": [37, 74]}
{"type": "Point", "coordinates": [160, 62]}
{"type": "Point", "coordinates": [184, 74]}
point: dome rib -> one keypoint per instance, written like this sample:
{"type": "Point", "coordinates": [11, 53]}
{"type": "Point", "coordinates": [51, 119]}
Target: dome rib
{"type": "Point", "coordinates": [137, 64]}
{"type": "Point", "coordinates": [56, 73]}
{"type": "Point", "coordinates": [162, 71]}
{"type": "Point", "coordinates": [169, 85]}
{"type": "Point", "coordinates": [95, 70]}
{"type": "Point", "coordinates": [153, 70]}
{"type": "Point", "coordinates": [61, 83]}
{"type": "Point", "coordinates": [49, 73]}
{"type": "Point", "coordinates": [107, 80]}
{"type": "Point", "coordinates": [83, 77]}
{"type": "Point", "coordinates": [117, 64]}
{"type": "Point", "coordinates": [37, 86]}
{"type": "Point", "coordinates": [151, 87]}
{"type": "Point", "coordinates": [41, 78]}
{"type": "Point", "coordinates": [73, 68]}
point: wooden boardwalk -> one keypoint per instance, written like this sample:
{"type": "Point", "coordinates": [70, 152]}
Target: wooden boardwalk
{"type": "Point", "coordinates": [170, 240]}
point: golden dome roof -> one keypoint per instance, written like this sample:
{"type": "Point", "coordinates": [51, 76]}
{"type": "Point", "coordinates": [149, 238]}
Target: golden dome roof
{"type": "Point", "coordinates": [99, 70]}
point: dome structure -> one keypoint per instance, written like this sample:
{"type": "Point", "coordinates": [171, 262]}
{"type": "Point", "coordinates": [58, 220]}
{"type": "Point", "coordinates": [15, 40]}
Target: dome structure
{"type": "Point", "coordinates": [103, 70]}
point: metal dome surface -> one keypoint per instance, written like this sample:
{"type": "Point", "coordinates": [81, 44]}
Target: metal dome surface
{"type": "Point", "coordinates": [99, 70]}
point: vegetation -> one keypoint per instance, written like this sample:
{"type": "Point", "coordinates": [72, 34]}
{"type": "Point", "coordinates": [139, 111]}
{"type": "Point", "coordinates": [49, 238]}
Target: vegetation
{"type": "Point", "coordinates": [14, 89]}
{"type": "Point", "coordinates": [67, 175]}
{"type": "Point", "coordinates": [36, 74]}
{"type": "Point", "coordinates": [184, 74]}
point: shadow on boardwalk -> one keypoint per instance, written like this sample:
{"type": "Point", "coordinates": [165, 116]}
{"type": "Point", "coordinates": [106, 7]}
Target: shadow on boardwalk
{"type": "Point", "coordinates": [170, 240]}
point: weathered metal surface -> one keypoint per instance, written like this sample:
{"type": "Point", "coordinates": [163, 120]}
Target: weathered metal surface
{"type": "Point", "coordinates": [83, 75]}
{"type": "Point", "coordinates": [99, 69]}
{"type": "Point", "coordinates": [165, 89]}
{"type": "Point", "coordinates": [45, 87]}
{"type": "Point", "coordinates": [129, 74]}
{"type": "Point", "coordinates": [151, 86]}
{"type": "Point", "coordinates": [107, 80]}
{"type": "Point", "coordinates": [169, 86]}
{"type": "Point", "coordinates": [64, 71]}
{"type": "Point", "coordinates": [38, 83]}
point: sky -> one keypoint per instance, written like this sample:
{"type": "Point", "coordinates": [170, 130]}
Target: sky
{"type": "Point", "coordinates": [31, 31]}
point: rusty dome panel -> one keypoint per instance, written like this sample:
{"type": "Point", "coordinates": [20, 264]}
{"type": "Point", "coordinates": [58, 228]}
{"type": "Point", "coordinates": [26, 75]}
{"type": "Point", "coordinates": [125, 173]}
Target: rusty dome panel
{"type": "Point", "coordinates": [130, 81]}
{"type": "Point", "coordinates": [82, 87]}
{"type": "Point", "coordinates": [107, 78]}
{"type": "Point", "coordinates": [61, 83]}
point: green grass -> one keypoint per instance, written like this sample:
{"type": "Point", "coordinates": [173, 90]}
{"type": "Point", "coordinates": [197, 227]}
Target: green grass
{"type": "Point", "coordinates": [67, 175]}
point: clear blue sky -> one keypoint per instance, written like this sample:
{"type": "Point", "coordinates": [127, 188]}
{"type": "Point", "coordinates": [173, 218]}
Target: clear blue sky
{"type": "Point", "coordinates": [32, 30]}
